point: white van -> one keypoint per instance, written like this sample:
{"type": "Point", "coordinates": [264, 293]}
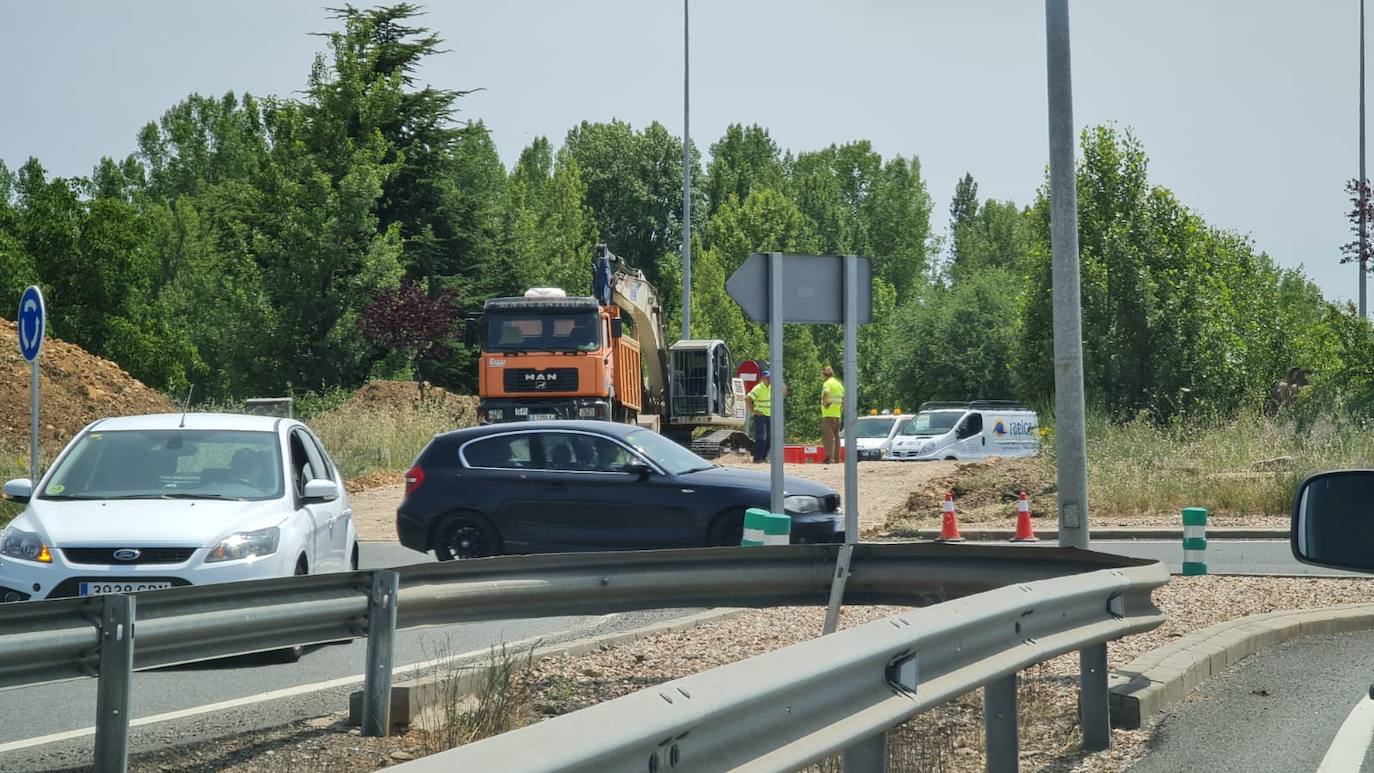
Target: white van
{"type": "Point", "coordinates": [973, 430]}
{"type": "Point", "coordinates": [873, 434]}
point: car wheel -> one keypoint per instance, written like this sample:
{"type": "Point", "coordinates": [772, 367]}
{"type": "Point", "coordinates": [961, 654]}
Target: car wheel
{"type": "Point", "coordinates": [291, 654]}
{"type": "Point", "coordinates": [727, 530]}
{"type": "Point", "coordinates": [466, 535]}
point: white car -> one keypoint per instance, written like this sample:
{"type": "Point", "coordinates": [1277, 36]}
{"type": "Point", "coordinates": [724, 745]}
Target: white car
{"type": "Point", "coordinates": [873, 434]}
{"type": "Point", "coordinates": [973, 430]}
{"type": "Point", "coordinates": [146, 502]}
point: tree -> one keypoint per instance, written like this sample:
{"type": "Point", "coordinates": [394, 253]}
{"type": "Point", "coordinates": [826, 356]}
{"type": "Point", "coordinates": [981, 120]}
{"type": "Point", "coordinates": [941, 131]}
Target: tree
{"type": "Point", "coordinates": [1360, 201]}
{"type": "Point", "coordinates": [411, 323]}
{"type": "Point", "coordinates": [744, 159]}
{"type": "Point", "coordinates": [963, 206]}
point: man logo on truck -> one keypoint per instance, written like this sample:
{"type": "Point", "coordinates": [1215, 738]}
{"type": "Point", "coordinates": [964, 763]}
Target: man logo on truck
{"type": "Point", "coordinates": [541, 377]}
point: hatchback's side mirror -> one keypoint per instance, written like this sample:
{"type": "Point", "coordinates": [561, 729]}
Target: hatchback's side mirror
{"type": "Point", "coordinates": [19, 490]}
{"type": "Point", "coordinates": [638, 469]}
{"type": "Point", "coordinates": [1333, 520]}
{"type": "Point", "coordinates": [320, 490]}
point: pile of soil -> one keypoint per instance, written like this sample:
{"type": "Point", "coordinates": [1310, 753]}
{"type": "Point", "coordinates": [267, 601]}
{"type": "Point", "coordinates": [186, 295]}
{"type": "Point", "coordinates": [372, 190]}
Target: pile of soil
{"type": "Point", "coordinates": [75, 386]}
{"type": "Point", "coordinates": [402, 395]}
{"type": "Point", "coordinates": [988, 489]}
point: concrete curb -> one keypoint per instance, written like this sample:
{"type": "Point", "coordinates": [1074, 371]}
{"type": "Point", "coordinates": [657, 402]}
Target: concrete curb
{"type": "Point", "coordinates": [1164, 676]}
{"type": "Point", "coordinates": [411, 697]}
{"type": "Point", "coordinates": [1113, 533]}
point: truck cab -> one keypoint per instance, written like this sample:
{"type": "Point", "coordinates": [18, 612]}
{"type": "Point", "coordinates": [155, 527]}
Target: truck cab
{"type": "Point", "coordinates": [551, 356]}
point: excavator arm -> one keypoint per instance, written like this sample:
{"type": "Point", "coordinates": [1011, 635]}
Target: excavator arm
{"type": "Point", "coordinates": [615, 281]}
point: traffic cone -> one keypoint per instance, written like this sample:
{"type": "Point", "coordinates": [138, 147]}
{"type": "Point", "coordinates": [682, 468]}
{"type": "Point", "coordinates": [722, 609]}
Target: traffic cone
{"type": "Point", "coordinates": [1024, 532]}
{"type": "Point", "coordinates": [949, 523]}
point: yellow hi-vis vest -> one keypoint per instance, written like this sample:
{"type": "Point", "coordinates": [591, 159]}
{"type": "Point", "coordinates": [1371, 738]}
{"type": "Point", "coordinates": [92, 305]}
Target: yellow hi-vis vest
{"type": "Point", "coordinates": [762, 396]}
{"type": "Point", "coordinates": [836, 407]}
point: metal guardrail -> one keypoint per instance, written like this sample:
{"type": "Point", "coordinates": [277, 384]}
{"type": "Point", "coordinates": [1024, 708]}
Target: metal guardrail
{"type": "Point", "coordinates": [796, 706]}
{"type": "Point", "coordinates": [49, 641]}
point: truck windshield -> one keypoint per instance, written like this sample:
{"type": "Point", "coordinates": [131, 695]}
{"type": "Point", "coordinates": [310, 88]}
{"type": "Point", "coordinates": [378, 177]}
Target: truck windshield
{"type": "Point", "coordinates": [551, 332]}
{"type": "Point", "coordinates": [932, 423]}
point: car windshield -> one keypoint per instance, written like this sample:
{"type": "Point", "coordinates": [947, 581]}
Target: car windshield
{"type": "Point", "coordinates": [170, 464]}
{"type": "Point", "coordinates": [672, 457]}
{"type": "Point", "coordinates": [873, 427]}
{"type": "Point", "coordinates": [525, 331]}
{"type": "Point", "coordinates": [932, 422]}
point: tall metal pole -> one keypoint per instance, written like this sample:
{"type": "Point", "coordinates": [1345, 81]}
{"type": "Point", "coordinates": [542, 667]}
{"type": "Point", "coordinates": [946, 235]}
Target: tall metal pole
{"type": "Point", "coordinates": [851, 454]}
{"type": "Point", "coordinates": [1364, 233]}
{"type": "Point", "coordinates": [1070, 432]}
{"type": "Point", "coordinates": [779, 390]}
{"type": "Point", "coordinates": [33, 433]}
{"type": "Point", "coordinates": [686, 189]}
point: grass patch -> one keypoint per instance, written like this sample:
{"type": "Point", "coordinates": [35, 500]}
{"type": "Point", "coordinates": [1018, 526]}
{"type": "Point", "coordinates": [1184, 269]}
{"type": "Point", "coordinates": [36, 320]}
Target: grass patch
{"type": "Point", "coordinates": [373, 438]}
{"type": "Point", "coordinates": [1250, 464]}
{"type": "Point", "coordinates": [499, 697]}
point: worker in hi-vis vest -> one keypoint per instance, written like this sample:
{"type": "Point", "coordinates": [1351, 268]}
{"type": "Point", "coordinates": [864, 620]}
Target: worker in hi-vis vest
{"type": "Point", "coordinates": [759, 404]}
{"type": "Point", "coordinates": [832, 407]}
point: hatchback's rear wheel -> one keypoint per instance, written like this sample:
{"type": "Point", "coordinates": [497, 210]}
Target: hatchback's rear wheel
{"type": "Point", "coordinates": [466, 535]}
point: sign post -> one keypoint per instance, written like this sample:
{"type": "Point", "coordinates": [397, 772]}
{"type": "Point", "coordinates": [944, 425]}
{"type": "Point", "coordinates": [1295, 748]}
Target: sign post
{"type": "Point", "coordinates": [33, 326]}
{"type": "Point", "coordinates": [820, 289]}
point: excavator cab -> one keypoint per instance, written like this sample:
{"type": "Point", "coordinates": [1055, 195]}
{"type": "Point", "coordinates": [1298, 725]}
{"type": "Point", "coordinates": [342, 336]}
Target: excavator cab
{"type": "Point", "coordinates": [701, 374]}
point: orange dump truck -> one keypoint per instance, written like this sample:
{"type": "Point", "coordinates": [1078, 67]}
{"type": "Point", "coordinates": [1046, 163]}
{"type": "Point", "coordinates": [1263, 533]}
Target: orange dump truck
{"type": "Point", "coordinates": [549, 355]}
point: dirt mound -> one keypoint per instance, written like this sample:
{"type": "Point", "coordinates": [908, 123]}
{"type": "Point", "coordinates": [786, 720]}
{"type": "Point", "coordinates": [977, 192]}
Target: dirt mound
{"type": "Point", "coordinates": [402, 395]}
{"type": "Point", "coordinates": [76, 388]}
{"type": "Point", "coordinates": [987, 487]}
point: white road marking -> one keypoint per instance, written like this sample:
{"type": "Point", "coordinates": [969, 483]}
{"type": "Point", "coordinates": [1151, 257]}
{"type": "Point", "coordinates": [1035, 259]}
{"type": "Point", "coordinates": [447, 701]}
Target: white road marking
{"type": "Point", "coordinates": [1351, 744]}
{"type": "Point", "coordinates": [288, 692]}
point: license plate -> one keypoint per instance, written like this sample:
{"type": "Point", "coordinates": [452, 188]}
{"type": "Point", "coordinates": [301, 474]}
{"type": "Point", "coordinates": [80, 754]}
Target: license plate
{"type": "Point", "coordinates": [542, 417]}
{"type": "Point", "coordinates": [98, 588]}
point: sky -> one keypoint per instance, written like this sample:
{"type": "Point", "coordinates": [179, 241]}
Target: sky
{"type": "Point", "coordinates": [1247, 108]}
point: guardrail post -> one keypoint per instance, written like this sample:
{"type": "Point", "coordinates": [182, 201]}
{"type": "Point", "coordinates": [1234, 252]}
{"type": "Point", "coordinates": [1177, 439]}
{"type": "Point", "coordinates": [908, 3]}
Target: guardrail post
{"type": "Point", "coordinates": [999, 722]}
{"type": "Point", "coordinates": [867, 756]}
{"type": "Point", "coordinates": [1093, 698]}
{"type": "Point", "coordinates": [112, 691]}
{"type": "Point", "coordinates": [381, 634]}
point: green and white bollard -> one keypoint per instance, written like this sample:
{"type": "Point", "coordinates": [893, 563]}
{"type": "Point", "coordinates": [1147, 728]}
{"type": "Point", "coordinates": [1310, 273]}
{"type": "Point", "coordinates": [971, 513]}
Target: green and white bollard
{"type": "Point", "coordinates": [764, 528]}
{"type": "Point", "coordinates": [1194, 541]}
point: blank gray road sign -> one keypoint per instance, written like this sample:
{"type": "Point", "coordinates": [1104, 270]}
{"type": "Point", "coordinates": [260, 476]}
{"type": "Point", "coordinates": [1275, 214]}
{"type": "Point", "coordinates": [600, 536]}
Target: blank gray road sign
{"type": "Point", "coordinates": [812, 288]}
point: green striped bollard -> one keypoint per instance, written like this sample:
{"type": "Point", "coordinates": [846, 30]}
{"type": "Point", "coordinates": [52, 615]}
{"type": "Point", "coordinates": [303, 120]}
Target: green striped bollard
{"type": "Point", "coordinates": [1194, 541]}
{"type": "Point", "coordinates": [764, 528]}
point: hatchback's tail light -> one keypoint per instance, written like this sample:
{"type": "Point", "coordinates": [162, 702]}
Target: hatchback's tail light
{"type": "Point", "coordinates": [414, 477]}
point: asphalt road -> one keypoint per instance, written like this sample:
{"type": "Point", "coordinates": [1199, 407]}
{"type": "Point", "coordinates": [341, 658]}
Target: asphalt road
{"type": "Point", "coordinates": [48, 727]}
{"type": "Point", "coordinates": [1278, 711]}
{"type": "Point", "coordinates": [1231, 557]}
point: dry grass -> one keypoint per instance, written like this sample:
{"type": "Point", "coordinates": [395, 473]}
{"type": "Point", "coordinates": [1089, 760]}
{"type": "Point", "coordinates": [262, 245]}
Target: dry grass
{"type": "Point", "coordinates": [1248, 465]}
{"type": "Point", "coordinates": [481, 701]}
{"type": "Point", "coordinates": [363, 440]}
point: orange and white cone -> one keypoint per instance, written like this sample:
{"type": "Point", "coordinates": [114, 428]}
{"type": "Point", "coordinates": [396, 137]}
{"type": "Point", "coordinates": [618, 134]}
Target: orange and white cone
{"type": "Point", "coordinates": [949, 523]}
{"type": "Point", "coordinates": [1024, 531]}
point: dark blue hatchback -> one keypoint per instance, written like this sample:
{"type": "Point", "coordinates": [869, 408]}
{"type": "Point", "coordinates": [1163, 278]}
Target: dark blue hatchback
{"type": "Point", "coordinates": [558, 486]}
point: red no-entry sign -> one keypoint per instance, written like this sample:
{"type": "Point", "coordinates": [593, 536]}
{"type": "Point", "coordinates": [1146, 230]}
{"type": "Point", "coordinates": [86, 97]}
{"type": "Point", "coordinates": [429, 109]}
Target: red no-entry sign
{"type": "Point", "coordinates": [749, 372]}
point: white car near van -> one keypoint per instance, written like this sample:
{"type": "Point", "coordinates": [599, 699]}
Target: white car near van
{"type": "Point", "coordinates": [873, 435]}
{"type": "Point", "coordinates": [973, 430]}
{"type": "Point", "coordinates": [140, 503]}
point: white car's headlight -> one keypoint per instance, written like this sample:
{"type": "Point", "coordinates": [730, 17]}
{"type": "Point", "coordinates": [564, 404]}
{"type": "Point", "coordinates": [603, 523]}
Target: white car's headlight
{"type": "Point", "coordinates": [246, 545]}
{"type": "Point", "coordinates": [17, 543]}
{"type": "Point", "coordinates": [801, 504]}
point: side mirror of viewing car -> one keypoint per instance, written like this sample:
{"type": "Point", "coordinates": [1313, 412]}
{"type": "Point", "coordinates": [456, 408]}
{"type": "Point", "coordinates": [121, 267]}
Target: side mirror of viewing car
{"type": "Point", "coordinates": [1333, 520]}
{"type": "Point", "coordinates": [638, 469]}
{"type": "Point", "coordinates": [320, 490]}
{"type": "Point", "coordinates": [617, 327]}
{"type": "Point", "coordinates": [19, 490]}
